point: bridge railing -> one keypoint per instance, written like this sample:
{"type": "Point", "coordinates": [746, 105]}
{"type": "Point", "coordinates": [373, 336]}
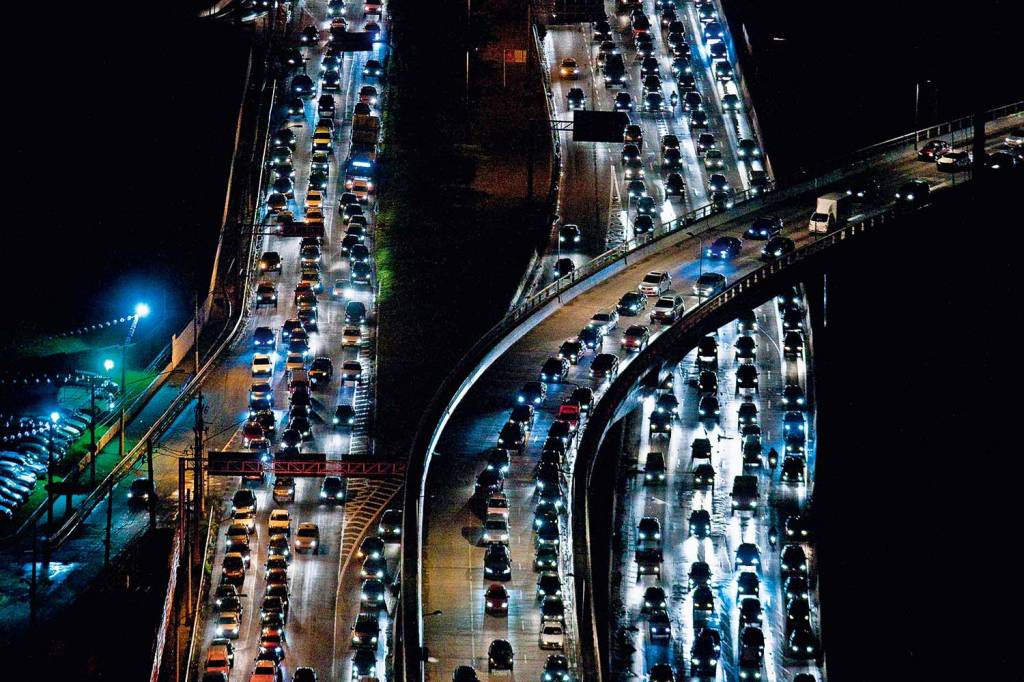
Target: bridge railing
{"type": "Point", "coordinates": [536, 307]}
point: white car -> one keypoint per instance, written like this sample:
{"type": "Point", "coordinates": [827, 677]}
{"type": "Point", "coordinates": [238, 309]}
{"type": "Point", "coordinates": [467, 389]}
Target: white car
{"type": "Point", "coordinates": [951, 161]}
{"type": "Point", "coordinates": [1015, 138]}
{"type": "Point", "coordinates": [552, 636]}
{"type": "Point", "coordinates": [262, 365]}
{"type": "Point", "coordinates": [351, 336]}
{"type": "Point", "coordinates": [280, 522]}
{"type": "Point", "coordinates": [351, 370]}
{"type": "Point", "coordinates": [655, 283]}
{"type": "Point", "coordinates": [295, 361]}
{"type": "Point", "coordinates": [228, 625]}
{"type": "Point", "coordinates": [497, 505]}
{"type": "Point", "coordinates": [245, 517]}
{"type": "Point", "coordinates": [307, 538]}
{"type": "Point", "coordinates": [496, 529]}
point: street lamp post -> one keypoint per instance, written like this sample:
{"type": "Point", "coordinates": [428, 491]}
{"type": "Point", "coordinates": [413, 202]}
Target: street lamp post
{"type": "Point", "coordinates": [141, 310]}
{"type": "Point", "coordinates": [917, 99]}
{"type": "Point", "coordinates": [54, 418]}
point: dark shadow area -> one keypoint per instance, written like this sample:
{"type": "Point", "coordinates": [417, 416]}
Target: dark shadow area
{"type": "Point", "coordinates": [455, 227]}
{"type": "Point", "coordinates": [828, 78]}
{"type": "Point", "coordinates": [916, 469]}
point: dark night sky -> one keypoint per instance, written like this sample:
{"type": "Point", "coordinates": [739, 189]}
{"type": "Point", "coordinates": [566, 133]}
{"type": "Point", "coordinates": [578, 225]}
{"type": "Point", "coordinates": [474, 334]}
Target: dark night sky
{"type": "Point", "coordinates": [123, 167]}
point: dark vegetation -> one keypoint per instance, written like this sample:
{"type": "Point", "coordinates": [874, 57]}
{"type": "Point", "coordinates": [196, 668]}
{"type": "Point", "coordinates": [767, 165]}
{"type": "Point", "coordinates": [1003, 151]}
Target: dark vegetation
{"type": "Point", "coordinates": [455, 229]}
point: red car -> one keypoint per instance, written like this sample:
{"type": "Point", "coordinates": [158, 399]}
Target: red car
{"type": "Point", "coordinates": [251, 431]}
{"type": "Point", "coordinates": [933, 150]}
{"type": "Point", "coordinates": [569, 411]}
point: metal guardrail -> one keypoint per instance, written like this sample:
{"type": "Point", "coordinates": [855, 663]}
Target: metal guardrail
{"type": "Point", "coordinates": [482, 353]}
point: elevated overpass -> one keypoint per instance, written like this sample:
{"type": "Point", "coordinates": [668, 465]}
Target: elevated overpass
{"type": "Point", "coordinates": [455, 430]}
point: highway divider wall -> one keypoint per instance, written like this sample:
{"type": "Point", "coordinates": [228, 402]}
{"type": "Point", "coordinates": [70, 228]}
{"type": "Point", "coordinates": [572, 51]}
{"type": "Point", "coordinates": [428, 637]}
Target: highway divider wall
{"type": "Point", "coordinates": [537, 307]}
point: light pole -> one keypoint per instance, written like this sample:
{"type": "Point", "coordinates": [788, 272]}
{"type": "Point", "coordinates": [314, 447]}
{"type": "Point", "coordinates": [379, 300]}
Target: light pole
{"type": "Point", "coordinates": [917, 99]}
{"type": "Point", "coordinates": [54, 418]}
{"type": "Point", "coordinates": [141, 310]}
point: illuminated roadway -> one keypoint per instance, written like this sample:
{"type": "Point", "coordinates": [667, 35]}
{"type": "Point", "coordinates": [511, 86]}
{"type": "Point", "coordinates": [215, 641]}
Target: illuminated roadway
{"type": "Point", "coordinates": [457, 632]}
{"type": "Point", "coordinates": [673, 502]}
{"type": "Point", "coordinates": [586, 183]}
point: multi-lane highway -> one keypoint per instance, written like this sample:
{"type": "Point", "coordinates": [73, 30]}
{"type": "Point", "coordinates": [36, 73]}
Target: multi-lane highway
{"type": "Point", "coordinates": [591, 169]}
{"type": "Point", "coordinates": [456, 630]}
{"type": "Point", "coordinates": [323, 586]}
{"type": "Point", "coordinates": [698, 524]}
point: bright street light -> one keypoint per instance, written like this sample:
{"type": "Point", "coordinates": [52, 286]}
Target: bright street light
{"type": "Point", "coordinates": [55, 417]}
{"type": "Point", "coordinates": [141, 310]}
{"type": "Point", "coordinates": [108, 365]}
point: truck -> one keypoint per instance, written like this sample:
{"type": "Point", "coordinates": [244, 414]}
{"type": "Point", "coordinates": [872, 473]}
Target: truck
{"type": "Point", "coordinates": [744, 494]}
{"type": "Point", "coordinates": [832, 212]}
{"type": "Point", "coordinates": [362, 157]}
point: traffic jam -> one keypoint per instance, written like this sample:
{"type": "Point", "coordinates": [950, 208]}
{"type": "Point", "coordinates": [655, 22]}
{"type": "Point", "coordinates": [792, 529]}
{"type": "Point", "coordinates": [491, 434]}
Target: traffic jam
{"type": "Point", "coordinates": [689, 142]}
{"type": "Point", "coordinates": [310, 361]}
{"type": "Point", "coordinates": [721, 580]}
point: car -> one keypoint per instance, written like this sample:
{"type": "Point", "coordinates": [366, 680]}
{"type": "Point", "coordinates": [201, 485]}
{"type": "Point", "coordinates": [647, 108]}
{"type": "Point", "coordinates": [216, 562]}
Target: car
{"type": "Point", "coordinates": [776, 248]}
{"type": "Point", "coordinates": [302, 85]}
{"type": "Point", "coordinates": [667, 403]}
{"type": "Point", "coordinates": [746, 378]}
{"type": "Point", "coordinates": [708, 407]}
{"type": "Point", "coordinates": [1002, 162]}
{"type": "Point", "coordinates": [703, 603]}
{"type": "Point", "coordinates": [747, 556]}
{"type": "Point", "coordinates": [532, 393]}
{"type": "Point", "coordinates": [373, 568]}
{"type": "Point", "coordinates": [605, 365]}
{"type": "Point", "coordinates": [496, 600]}
{"type": "Point", "coordinates": [497, 563]}
{"type": "Point", "coordinates": [569, 69]}
{"type": "Point", "coordinates": [500, 656]}
{"type": "Point", "coordinates": [793, 561]}
{"type": "Point", "coordinates": [653, 102]}
{"type": "Point", "coordinates": [364, 664]}
{"type": "Point", "coordinates": [692, 101]}
{"type": "Point", "coordinates": [344, 416]}
{"type": "Point", "coordinates": [569, 234]}
{"type": "Point", "coordinates": [623, 102]}
{"type": "Point", "coordinates": [704, 476]}
{"type": "Point", "coordinates": [307, 538]}
{"type": "Point", "coordinates": [933, 149]}
{"type": "Point", "coordinates": [700, 523]}
{"type": "Point", "coordinates": [660, 424]}
{"type": "Point", "coordinates": [355, 312]}
{"type": "Point", "coordinates": [709, 284]}
{"type": "Point", "coordinates": [659, 626]}
{"type": "Point", "coordinates": [675, 186]}
{"type": "Point", "coordinates": [552, 636]}
{"type": "Point", "coordinates": [590, 339]}
{"type": "Point", "coordinates": [564, 267]}
{"type": "Point", "coordinates": [556, 669]}
{"type": "Point", "coordinates": [724, 248]}
{"type": "Point", "coordinates": [373, 69]}
{"type": "Point", "coordinates": [654, 468]}
{"type": "Point", "coordinates": [748, 586]}
{"type": "Point", "coordinates": [698, 119]}
{"type": "Point", "coordinates": [655, 283]}
{"type": "Point", "coordinates": [644, 223]}
{"type": "Point", "coordinates": [798, 528]}
{"type": "Point", "coordinates": [704, 653]}
{"type": "Point", "coordinates": [952, 161]}
{"type": "Point", "coordinates": [332, 489]}
{"type": "Point", "coordinates": [793, 469]}
{"type": "Point", "coordinates": [604, 321]}
{"type": "Point", "coordinates": [495, 529]}
{"type": "Point", "coordinates": [390, 527]}
{"type": "Point", "coordinates": [228, 625]}
{"type": "Point", "coordinates": [793, 344]}
{"type": "Point", "coordinates": [913, 193]}
{"type": "Point", "coordinates": [751, 613]}
{"type": "Point", "coordinates": [636, 337]}
{"type": "Point", "coordinates": [372, 594]}
{"type": "Point", "coordinates": [802, 644]}
{"type": "Point", "coordinates": [630, 152]}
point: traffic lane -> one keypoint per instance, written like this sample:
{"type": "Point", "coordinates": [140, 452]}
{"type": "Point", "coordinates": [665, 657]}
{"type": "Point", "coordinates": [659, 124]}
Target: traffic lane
{"type": "Point", "coordinates": [673, 503]}
{"type": "Point", "coordinates": [453, 557]}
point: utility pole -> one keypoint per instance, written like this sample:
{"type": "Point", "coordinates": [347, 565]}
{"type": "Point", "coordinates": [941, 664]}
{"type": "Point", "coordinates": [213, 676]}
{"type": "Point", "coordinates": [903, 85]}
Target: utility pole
{"type": "Point", "coordinates": [110, 519]}
{"type": "Point", "coordinates": [152, 484]}
{"type": "Point", "coordinates": [33, 585]}
{"type": "Point", "coordinates": [92, 431]}
{"type": "Point", "coordinates": [197, 460]}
